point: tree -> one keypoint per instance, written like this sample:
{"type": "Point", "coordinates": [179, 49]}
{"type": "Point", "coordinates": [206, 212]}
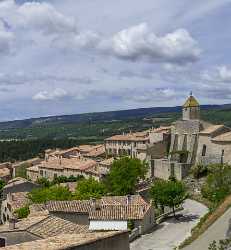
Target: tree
{"type": "Point", "coordinates": [89, 188]}
{"type": "Point", "coordinates": [124, 175]}
{"type": "Point", "coordinates": [221, 245]}
{"type": "Point", "coordinates": [42, 195]}
{"type": "Point", "coordinates": [168, 193]}
{"type": "Point", "coordinates": [44, 182]}
{"type": "Point", "coordinates": [218, 183]}
{"type": "Point", "coordinates": [22, 212]}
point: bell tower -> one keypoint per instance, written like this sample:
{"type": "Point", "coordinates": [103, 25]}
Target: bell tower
{"type": "Point", "coordinates": [191, 109]}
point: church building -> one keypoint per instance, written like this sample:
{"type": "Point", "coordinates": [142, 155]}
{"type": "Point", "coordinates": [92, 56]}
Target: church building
{"type": "Point", "coordinates": [193, 141]}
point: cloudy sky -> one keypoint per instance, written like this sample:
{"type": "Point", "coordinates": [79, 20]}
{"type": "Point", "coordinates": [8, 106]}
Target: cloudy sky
{"type": "Point", "coordinates": [75, 56]}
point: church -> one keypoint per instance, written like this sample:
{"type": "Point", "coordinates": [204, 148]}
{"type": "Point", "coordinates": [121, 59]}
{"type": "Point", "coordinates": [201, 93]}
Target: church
{"type": "Point", "coordinates": [193, 141]}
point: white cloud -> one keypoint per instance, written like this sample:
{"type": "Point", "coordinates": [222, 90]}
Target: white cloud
{"type": "Point", "coordinates": [220, 74]}
{"type": "Point", "coordinates": [36, 16]}
{"type": "Point", "coordinates": [140, 43]}
{"type": "Point", "coordinates": [50, 95]}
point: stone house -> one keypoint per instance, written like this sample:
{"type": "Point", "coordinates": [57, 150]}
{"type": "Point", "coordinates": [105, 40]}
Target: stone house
{"type": "Point", "coordinates": [117, 217]}
{"type": "Point", "coordinates": [135, 144]}
{"type": "Point", "coordinates": [12, 202]}
{"type": "Point", "coordinates": [57, 166]}
{"type": "Point", "coordinates": [96, 213]}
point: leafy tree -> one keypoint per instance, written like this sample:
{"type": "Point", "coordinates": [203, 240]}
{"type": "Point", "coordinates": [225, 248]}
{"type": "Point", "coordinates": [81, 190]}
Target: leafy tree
{"type": "Point", "coordinates": [168, 193]}
{"type": "Point", "coordinates": [44, 182]}
{"type": "Point", "coordinates": [22, 212]}
{"type": "Point", "coordinates": [124, 175]}
{"type": "Point", "coordinates": [218, 183]}
{"type": "Point", "coordinates": [42, 195]}
{"type": "Point", "coordinates": [89, 188]}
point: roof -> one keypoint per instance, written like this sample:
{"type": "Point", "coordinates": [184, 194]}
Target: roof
{"type": "Point", "coordinates": [211, 129]}
{"type": "Point", "coordinates": [46, 226]}
{"type": "Point", "coordinates": [16, 181]}
{"type": "Point", "coordinates": [33, 169]}
{"type": "Point", "coordinates": [85, 206]}
{"type": "Point", "coordinates": [138, 136]}
{"type": "Point", "coordinates": [65, 241]}
{"type": "Point", "coordinates": [92, 150]}
{"type": "Point", "coordinates": [191, 102]}
{"type": "Point", "coordinates": [122, 200]}
{"type": "Point", "coordinates": [119, 212]}
{"type": "Point", "coordinates": [226, 137]}
{"type": "Point", "coordinates": [76, 206]}
{"type": "Point", "coordinates": [77, 163]}
{"type": "Point", "coordinates": [52, 226]}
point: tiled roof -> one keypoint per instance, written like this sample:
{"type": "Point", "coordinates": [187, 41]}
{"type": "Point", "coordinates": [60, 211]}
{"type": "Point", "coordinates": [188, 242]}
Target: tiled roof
{"type": "Point", "coordinates": [33, 168]}
{"type": "Point", "coordinates": [122, 200]}
{"type": "Point", "coordinates": [119, 212]}
{"type": "Point", "coordinates": [64, 241]}
{"type": "Point", "coordinates": [75, 206]}
{"type": "Point", "coordinates": [211, 129]}
{"type": "Point", "coordinates": [141, 136]}
{"type": "Point", "coordinates": [69, 163]}
{"type": "Point", "coordinates": [52, 226]}
{"type": "Point", "coordinates": [191, 102]}
{"type": "Point", "coordinates": [226, 137]}
{"type": "Point", "coordinates": [107, 162]}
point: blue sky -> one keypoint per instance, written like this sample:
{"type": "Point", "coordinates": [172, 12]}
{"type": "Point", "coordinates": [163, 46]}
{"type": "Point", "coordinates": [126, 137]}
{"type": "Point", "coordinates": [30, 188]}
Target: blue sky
{"type": "Point", "coordinates": [75, 56]}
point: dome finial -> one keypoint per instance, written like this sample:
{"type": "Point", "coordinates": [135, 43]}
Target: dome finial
{"type": "Point", "coordinates": [191, 93]}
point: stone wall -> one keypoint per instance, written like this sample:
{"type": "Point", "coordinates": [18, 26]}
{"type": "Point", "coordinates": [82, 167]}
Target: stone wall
{"type": "Point", "coordinates": [119, 241]}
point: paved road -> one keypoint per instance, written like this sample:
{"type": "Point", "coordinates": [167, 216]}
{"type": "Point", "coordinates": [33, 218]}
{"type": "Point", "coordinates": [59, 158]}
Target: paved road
{"type": "Point", "coordinates": [216, 231]}
{"type": "Point", "coordinates": [171, 232]}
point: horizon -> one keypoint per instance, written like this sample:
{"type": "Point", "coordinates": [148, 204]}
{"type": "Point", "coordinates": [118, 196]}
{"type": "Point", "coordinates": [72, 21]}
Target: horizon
{"type": "Point", "coordinates": [107, 111]}
{"type": "Point", "coordinates": [75, 57]}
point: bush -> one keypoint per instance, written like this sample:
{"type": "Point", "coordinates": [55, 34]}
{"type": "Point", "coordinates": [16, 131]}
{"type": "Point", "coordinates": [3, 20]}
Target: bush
{"type": "Point", "coordinates": [22, 212]}
{"type": "Point", "coordinates": [199, 171]}
{"type": "Point", "coordinates": [218, 183]}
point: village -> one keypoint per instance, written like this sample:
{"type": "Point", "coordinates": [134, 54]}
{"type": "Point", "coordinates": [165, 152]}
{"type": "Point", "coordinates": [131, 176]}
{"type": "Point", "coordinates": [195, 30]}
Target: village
{"type": "Point", "coordinates": [130, 221]}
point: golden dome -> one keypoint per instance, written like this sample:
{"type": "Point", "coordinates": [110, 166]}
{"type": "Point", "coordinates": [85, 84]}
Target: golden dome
{"type": "Point", "coordinates": [191, 102]}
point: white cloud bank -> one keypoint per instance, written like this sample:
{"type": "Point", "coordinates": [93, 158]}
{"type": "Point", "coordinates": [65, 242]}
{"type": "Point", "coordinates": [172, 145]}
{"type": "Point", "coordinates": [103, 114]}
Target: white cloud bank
{"type": "Point", "coordinates": [56, 94]}
{"type": "Point", "coordinates": [136, 43]}
{"type": "Point", "coordinates": [140, 43]}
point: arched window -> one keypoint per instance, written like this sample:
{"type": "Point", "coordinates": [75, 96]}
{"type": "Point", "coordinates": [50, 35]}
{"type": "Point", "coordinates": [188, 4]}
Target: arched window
{"type": "Point", "coordinates": [204, 150]}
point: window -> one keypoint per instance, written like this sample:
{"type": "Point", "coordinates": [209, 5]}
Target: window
{"type": "Point", "coordinates": [204, 150]}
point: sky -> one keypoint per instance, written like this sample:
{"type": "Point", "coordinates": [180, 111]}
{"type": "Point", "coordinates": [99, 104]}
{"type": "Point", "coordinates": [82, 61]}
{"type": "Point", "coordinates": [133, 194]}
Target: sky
{"type": "Point", "coordinates": [75, 56]}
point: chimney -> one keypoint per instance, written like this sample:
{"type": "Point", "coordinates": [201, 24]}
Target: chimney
{"type": "Point", "coordinates": [128, 199]}
{"type": "Point", "coordinates": [12, 223]}
{"type": "Point", "coordinates": [93, 203]}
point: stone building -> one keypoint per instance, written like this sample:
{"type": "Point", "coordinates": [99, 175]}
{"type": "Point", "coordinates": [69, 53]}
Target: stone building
{"type": "Point", "coordinates": [57, 166]}
{"type": "Point", "coordinates": [145, 145]}
{"type": "Point", "coordinates": [193, 141]}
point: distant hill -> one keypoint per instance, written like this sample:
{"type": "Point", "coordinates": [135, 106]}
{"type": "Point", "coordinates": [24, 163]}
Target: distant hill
{"type": "Point", "coordinates": [99, 116]}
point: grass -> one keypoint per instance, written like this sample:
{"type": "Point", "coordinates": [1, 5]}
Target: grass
{"type": "Point", "coordinates": [207, 220]}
